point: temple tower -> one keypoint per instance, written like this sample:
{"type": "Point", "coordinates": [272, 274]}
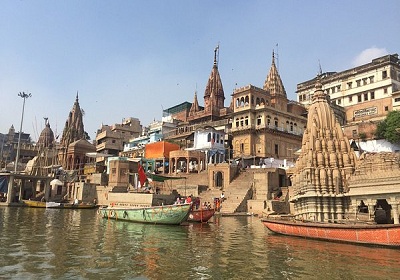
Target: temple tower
{"type": "Point", "coordinates": [324, 165]}
{"type": "Point", "coordinates": [214, 96]}
{"type": "Point", "coordinates": [274, 85]}
{"type": "Point", "coordinates": [73, 129]}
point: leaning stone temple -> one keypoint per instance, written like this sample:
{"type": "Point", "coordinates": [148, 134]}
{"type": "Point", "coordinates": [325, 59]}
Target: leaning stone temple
{"type": "Point", "coordinates": [330, 183]}
{"type": "Point", "coordinates": [324, 166]}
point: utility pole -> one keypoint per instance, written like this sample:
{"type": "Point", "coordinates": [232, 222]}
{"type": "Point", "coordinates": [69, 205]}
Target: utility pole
{"type": "Point", "coordinates": [24, 96]}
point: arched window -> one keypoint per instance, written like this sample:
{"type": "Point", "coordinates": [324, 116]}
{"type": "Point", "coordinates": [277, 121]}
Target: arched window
{"type": "Point", "coordinates": [259, 120]}
{"type": "Point", "coordinates": [209, 137]}
{"type": "Point", "coordinates": [246, 100]}
{"type": "Point", "coordinates": [241, 121]}
{"type": "Point", "coordinates": [262, 102]}
{"type": "Point", "coordinates": [276, 121]}
{"type": "Point", "coordinates": [237, 122]}
{"type": "Point", "coordinates": [257, 101]}
{"type": "Point", "coordinates": [246, 120]}
{"type": "Point", "coordinates": [268, 120]}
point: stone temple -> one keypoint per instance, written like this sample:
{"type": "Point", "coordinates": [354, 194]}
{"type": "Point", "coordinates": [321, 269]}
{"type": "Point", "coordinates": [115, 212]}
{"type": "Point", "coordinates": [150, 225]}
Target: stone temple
{"type": "Point", "coordinates": [330, 183]}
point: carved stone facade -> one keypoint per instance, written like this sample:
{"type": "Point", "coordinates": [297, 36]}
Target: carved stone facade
{"type": "Point", "coordinates": [376, 184]}
{"type": "Point", "coordinates": [330, 183]}
{"type": "Point", "coordinates": [325, 164]}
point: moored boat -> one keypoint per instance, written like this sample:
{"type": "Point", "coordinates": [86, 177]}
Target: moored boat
{"type": "Point", "coordinates": [165, 214]}
{"type": "Point", "coordinates": [58, 205]}
{"type": "Point", "coordinates": [367, 234]}
{"type": "Point", "coordinates": [201, 215]}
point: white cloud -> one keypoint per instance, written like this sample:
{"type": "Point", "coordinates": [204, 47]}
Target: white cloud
{"type": "Point", "coordinates": [367, 55]}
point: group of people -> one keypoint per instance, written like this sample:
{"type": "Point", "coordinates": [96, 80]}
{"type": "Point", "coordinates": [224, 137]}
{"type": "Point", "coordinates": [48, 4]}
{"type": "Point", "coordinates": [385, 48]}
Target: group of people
{"type": "Point", "coordinates": [195, 201]}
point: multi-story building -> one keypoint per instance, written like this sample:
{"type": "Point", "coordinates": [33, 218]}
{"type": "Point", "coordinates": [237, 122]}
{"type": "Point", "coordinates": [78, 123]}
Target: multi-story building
{"type": "Point", "coordinates": [134, 148]}
{"type": "Point", "coordinates": [111, 139]}
{"type": "Point", "coordinates": [264, 122]}
{"type": "Point", "coordinates": [367, 93]}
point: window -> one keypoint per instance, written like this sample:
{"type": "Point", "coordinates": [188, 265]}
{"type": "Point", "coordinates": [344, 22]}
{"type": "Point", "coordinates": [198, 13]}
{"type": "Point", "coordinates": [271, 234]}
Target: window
{"type": "Point", "coordinates": [339, 101]}
{"type": "Point", "coordinates": [268, 120]}
{"type": "Point", "coordinates": [397, 99]}
{"type": "Point", "coordinates": [276, 149]}
{"type": "Point", "coordinates": [371, 79]}
{"type": "Point", "coordinates": [364, 81]}
{"type": "Point", "coordinates": [113, 141]}
{"type": "Point", "coordinates": [384, 74]}
{"type": "Point", "coordinates": [349, 85]}
{"type": "Point", "coordinates": [241, 147]}
{"type": "Point", "coordinates": [386, 108]}
{"type": "Point", "coordinates": [372, 95]}
{"type": "Point", "coordinates": [338, 88]}
{"type": "Point", "coordinates": [246, 121]}
{"type": "Point", "coordinates": [365, 96]}
{"type": "Point", "coordinates": [237, 122]}
{"type": "Point", "coordinates": [276, 122]}
{"type": "Point", "coordinates": [358, 83]}
{"type": "Point", "coordinates": [359, 98]}
{"type": "Point", "coordinates": [259, 120]}
{"type": "Point", "coordinates": [350, 98]}
{"type": "Point", "coordinates": [385, 91]}
{"type": "Point", "coordinates": [300, 98]}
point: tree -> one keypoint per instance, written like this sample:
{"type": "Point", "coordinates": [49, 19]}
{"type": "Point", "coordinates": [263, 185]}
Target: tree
{"type": "Point", "coordinates": [389, 128]}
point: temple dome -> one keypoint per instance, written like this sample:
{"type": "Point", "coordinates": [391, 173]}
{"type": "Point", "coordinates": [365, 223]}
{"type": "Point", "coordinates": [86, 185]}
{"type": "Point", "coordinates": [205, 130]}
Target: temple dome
{"type": "Point", "coordinates": [46, 138]}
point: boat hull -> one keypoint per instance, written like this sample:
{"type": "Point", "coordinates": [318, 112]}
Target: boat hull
{"type": "Point", "coordinates": [168, 214]}
{"type": "Point", "coordinates": [201, 215]}
{"type": "Point", "coordinates": [57, 205]}
{"type": "Point", "coordinates": [382, 235]}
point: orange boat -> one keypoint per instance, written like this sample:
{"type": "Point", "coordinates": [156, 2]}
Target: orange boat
{"type": "Point", "coordinates": [200, 215]}
{"type": "Point", "coordinates": [367, 234]}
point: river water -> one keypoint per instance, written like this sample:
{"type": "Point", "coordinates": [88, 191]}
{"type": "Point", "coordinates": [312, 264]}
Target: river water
{"type": "Point", "coordinates": [79, 244]}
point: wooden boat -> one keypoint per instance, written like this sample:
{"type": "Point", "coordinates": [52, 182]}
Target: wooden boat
{"type": "Point", "coordinates": [58, 205]}
{"type": "Point", "coordinates": [368, 234]}
{"type": "Point", "coordinates": [166, 214]}
{"type": "Point", "coordinates": [201, 215]}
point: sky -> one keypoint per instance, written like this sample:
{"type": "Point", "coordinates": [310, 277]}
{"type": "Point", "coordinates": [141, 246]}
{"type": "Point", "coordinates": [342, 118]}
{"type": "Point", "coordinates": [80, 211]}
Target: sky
{"type": "Point", "coordinates": [128, 58]}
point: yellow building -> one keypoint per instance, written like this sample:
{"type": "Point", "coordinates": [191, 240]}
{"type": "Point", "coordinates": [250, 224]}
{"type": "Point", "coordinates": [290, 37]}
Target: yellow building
{"type": "Point", "coordinates": [264, 122]}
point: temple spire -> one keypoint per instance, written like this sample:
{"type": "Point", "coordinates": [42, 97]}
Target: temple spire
{"type": "Point", "coordinates": [195, 105]}
{"type": "Point", "coordinates": [214, 95]}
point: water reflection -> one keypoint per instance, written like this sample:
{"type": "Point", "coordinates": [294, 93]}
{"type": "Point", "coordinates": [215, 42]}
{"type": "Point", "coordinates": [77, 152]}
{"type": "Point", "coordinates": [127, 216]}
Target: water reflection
{"type": "Point", "coordinates": [78, 244]}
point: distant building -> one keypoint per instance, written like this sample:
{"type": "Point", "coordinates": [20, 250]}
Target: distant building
{"type": "Point", "coordinates": [8, 149]}
{"type": "Point", "coordinates": [367, 93]}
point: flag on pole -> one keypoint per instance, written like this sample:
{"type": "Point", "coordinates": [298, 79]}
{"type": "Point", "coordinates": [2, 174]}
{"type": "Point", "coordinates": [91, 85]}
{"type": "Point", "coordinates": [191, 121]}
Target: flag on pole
{"type": "Point", "coordinates": [142, 175]}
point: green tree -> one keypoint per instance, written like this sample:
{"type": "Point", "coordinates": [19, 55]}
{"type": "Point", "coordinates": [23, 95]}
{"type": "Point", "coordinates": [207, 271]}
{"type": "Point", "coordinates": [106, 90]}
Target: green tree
{"type": "Point", "coordinates": [389, 127]}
